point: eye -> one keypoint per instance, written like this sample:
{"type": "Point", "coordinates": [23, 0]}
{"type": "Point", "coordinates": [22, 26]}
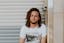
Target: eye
{"type": "Point", "coordinates": [36, 16]}
{"type": "Point", "coordinates": [31, 15]}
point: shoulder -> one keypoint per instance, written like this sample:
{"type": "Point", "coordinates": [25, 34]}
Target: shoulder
{"type": "Point", "coordinates": [43, 30]}
{"type": "Point", "coordinates": [43, 25]}
{"type": "Point", "coordinates": [23, 27]}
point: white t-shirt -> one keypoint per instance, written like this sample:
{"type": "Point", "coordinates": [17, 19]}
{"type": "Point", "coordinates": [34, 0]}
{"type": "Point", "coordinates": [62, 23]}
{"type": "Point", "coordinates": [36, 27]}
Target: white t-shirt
{"type": "Point", "coordinates": [33, 35]}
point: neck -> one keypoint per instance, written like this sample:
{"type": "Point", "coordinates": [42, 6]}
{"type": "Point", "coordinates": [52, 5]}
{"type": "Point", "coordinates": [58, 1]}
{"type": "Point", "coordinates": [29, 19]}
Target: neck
{"type": "Point", "coordinates": [33, 25]}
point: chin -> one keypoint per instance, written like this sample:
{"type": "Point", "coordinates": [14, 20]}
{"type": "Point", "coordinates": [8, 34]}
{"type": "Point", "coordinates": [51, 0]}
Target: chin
{"type": "Point", "coordinates": [33, 22]}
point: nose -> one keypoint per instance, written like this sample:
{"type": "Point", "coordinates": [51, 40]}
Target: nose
{"type": "Point", "coordinates": [33, 17]}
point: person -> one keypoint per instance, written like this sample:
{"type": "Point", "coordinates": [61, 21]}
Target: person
{"type": "Point", "coordinates": [34, 31]}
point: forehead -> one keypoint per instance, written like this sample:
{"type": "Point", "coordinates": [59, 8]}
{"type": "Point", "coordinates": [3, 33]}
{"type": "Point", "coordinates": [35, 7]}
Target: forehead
{"type": "Point", "coordinates": [34, 13]}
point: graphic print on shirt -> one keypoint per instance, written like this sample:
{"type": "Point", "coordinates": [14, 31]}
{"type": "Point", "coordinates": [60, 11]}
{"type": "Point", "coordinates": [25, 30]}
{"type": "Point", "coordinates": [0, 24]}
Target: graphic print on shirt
{"type": "Point", "coordinates": [30, 38]}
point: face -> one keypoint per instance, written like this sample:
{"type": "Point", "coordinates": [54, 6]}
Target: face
{"type": "Point", "coordinates": [34, 17]}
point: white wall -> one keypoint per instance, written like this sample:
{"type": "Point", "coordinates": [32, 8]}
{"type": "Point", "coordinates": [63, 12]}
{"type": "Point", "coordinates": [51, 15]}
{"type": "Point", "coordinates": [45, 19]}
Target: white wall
{"type": "Point", "coordinates": [55, 20]}
{"type": "Point", "coordinates": [12, 17]}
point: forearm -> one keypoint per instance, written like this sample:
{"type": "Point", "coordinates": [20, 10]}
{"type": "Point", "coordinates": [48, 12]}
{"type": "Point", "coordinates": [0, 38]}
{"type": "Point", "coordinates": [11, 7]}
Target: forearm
{"type": "Point", "coordinates": [43, 40]}
{"type": "Point", "coordinates": [21, 40]}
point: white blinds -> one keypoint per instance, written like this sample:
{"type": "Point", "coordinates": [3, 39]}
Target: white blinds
{"type": "Point", "coordinates": [12, 17]}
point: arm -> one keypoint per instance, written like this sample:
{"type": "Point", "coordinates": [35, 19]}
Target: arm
{"type": "Point", "coordinates": [43, 40]}
{"type": "Point", "coordinates": [22, 40]}
{"type": "Point", "coordinates": [44, 34]}
{"type": "Point", "coordinates": [22, 35]}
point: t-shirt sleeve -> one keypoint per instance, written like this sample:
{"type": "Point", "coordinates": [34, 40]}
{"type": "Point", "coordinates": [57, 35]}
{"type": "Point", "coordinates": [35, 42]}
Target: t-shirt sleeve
{"type": "Point", "coordinates": [22, 32]}
{"type": "Point", "coordinates": [44, 31]}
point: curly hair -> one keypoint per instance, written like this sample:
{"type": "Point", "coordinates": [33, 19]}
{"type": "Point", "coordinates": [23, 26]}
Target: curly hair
{"type": "Point", "coordinates": [29, 14]}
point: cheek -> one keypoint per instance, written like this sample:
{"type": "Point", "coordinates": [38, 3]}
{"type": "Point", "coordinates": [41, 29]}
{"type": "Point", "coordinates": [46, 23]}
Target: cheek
{"type": "Point", "coordinates": [31, 18]}
{"type": "Point", "coordinates": [36, 18]}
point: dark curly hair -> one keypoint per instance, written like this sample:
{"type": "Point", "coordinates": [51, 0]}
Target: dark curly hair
{"type": "Point", "coordinates": [29, 14]}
